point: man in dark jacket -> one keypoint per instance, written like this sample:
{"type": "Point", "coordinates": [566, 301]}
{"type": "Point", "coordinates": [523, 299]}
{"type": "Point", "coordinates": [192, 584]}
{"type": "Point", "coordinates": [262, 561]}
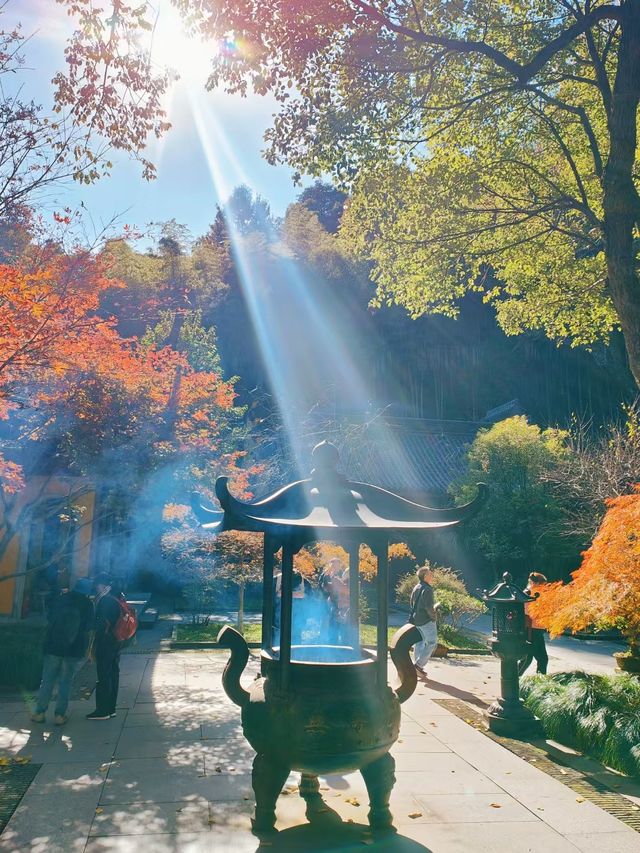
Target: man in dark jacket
{"type": "Point", "coordinates": [423, 616]}
{"type": "Point", "coordinates": [106, 649]}
{"type": "Point", "coordinates": [66, 643]}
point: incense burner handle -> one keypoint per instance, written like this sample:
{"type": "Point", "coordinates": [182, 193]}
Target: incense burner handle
{"type": "Point", "coordinates": [400, 648]}
{"type": "Point", "coordinates": [236, 664]}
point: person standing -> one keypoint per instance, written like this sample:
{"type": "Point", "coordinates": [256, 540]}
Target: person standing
{"type": "Point", "coordinates": [538, 646]}
{"type": "Point", "coordinates": [423, 616]}
{"type": "Point", "coordinates": [106, 648]}
{"type": "Point", "coordinates": [65, 647]}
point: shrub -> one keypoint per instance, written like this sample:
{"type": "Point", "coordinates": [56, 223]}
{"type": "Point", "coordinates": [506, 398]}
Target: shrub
{"type": "Point", "coordinates": [596, 714]}
{"type": "Point", "coordinates": [520, 527]}
{"type": "Point", "coordinates": [457, 606]}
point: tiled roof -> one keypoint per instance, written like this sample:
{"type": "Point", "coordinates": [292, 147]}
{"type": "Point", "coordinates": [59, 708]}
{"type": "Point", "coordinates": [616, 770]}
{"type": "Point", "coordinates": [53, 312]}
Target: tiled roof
{"type": "Point", "coordinates": [410, 456]}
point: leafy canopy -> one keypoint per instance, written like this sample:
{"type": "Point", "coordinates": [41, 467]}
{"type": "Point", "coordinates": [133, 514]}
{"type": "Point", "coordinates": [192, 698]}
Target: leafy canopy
{"type": "Point", "coordinates": [517, 530]}
{"type": "Point", "coordinates": [474, 138]}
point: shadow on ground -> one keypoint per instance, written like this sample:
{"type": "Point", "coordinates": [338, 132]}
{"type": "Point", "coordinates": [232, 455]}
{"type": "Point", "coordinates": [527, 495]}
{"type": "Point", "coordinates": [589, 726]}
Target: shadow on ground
{"type": "Point", "coordinates": [335, 835]}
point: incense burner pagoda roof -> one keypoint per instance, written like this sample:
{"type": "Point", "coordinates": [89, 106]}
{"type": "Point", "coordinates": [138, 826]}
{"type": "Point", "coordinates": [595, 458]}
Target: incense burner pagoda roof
{"type": "Point", "coordinates": [328, 502]}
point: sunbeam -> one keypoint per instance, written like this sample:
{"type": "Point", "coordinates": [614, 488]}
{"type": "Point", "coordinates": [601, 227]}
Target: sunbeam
{"type": "Point", "coordinates": [306, 345]}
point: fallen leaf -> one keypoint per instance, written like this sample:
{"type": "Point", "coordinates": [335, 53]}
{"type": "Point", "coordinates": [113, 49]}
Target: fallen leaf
{"type": "Point", "coordinates": [218, 768]}
{"type": "Point", "coordinates": [22, 759]}
{"type": "Point", "coordinates": [495, 805]}
{"type": "Point", "coordinates": [579, 799]}
{"type": "Point", "coordinates": [231, 769]}
{"type": "Point", "coordinates": [352, 801]}
{"type": "Point", "coordinates": [414, 815]}
{"type": "Point", "coordinates": [4, 761]}
{"type": "Point", "coordinates": [99, 811]}
{"type": "Point", "coordinates": [540, 809]}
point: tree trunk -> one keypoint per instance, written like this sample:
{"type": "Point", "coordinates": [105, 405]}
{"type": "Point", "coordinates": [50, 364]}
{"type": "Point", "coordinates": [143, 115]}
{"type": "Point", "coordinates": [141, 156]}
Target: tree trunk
{"type": "Point", "coordinates": [241, 606]}
{"type": "Point", "coordinates": [621, 201]}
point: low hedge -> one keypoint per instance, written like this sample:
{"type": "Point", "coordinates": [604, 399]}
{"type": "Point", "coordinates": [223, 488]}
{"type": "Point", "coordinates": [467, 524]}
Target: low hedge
{"type": "Point", "coordinates": [21, 654]}
{"type": "Point", "coordinates": [598, 715]}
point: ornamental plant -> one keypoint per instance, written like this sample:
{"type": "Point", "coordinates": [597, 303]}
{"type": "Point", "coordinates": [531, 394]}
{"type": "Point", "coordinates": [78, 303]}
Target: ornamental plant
{"type": "Point", "coordinates": [605, 591]}
{"type": "Point", "coordinates": [457, 606]}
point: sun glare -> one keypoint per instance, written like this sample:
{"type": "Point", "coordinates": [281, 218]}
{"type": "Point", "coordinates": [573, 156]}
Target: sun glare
{"type": "Point", "coordinates": [175, 48]}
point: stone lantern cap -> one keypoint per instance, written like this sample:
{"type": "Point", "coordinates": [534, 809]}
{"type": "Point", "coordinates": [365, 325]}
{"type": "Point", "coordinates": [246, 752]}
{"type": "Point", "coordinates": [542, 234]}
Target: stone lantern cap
{"type": "Point", "coordinates": [506, 592]}
{"type": "Point", "coordinates": [326, 503]}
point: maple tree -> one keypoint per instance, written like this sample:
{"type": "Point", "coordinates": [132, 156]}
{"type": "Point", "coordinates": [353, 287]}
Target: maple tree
{"type": "Point", "coordinates": [605, 591]}
{"type": "Point", "coordinates": [70, 381]}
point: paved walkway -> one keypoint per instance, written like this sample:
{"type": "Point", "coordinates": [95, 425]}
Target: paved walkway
{"type": "Point", "coordinates": [172, 773]}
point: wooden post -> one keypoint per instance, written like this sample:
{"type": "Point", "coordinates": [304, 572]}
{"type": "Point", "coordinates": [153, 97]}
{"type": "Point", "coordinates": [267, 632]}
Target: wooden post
{"type": "Point", "coordinates": [285, 614]}
{"type": "Point", "coordinates": [382, 553]}
{"type": "Point", "coordinates": [267, 594]}
{"type": "Point", "coordinates": [354, 594]}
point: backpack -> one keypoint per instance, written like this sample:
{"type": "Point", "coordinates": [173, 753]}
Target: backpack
{"type": "Point", "coordinates": [64, 628]}
{"type": "Point", "coordinates": [127, 623]}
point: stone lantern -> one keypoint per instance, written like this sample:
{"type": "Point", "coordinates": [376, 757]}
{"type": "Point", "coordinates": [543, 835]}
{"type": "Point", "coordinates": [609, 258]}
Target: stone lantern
{"type": "Point", "coordinates": [323, 704]}
{"type": "Point", "coordinates": [508, 715]}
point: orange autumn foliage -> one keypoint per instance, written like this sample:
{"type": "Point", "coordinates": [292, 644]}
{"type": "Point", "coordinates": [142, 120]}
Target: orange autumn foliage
{"type": "Point", "coordinates": [312, 560]}
{"type": "Point", "coordinates": [70, 373]}
{"type": "Point", "coordinates": [605, 590]}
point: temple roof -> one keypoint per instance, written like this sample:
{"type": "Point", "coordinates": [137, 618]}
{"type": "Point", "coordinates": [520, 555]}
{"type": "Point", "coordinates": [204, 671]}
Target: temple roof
{"type": "Point", "coordinates": [327, 503]}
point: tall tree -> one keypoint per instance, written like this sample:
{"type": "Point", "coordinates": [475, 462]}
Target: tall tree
{"type": "Point", "coordinates": [326, 202]}
{"type": "Point", "coordinates": [98, 403]}
{"type": "Point", "coordinates": [490, 146]}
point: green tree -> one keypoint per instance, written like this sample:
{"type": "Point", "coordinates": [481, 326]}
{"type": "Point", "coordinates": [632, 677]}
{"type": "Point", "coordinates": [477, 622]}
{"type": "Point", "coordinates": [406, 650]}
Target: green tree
{"type": "Point", "coordinates": [489, 145]}
{"type": "Point", "coordinates": [519, 527]}
{"type": "Point", "coordinates": [326, 202]}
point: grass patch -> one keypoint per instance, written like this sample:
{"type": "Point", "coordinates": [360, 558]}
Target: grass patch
{"type": "Point", "coordinates": [598, 715]}
{"type": "Point", "coordinates": [252, 633]}
{"type": "Point", "coordinates": [455, 639]}
{"type": "Point", "coordinates": [21, 655]}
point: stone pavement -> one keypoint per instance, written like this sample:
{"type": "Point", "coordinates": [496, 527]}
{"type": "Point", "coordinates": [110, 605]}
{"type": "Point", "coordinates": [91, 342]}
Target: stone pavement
{"type": "Point", "coordinates": [172, 773]}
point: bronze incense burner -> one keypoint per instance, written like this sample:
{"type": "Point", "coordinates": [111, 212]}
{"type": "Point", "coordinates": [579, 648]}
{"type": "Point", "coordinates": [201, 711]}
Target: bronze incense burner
{"type": "Point", "coordinates": [320, 707]}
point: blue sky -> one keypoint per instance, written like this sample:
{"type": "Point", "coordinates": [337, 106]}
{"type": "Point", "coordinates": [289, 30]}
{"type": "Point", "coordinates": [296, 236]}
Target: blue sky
{"type": "Point", "coordinates": [214, 144]}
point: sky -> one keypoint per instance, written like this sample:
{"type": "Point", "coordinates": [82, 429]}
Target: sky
{"type": "Point", "coordinates": [213, 145]}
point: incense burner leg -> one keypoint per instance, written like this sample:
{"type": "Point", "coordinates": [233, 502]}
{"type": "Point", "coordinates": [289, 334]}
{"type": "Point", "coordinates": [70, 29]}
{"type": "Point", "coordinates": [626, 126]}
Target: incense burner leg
{"type": "Point", "coordinates": [309, 786]}
{"type": "Point", "coordinates": [379, 777]}
{"type": "Point", "coordinates": [310, 792]}
{"type": "Point", "coordinates": [267, 779]}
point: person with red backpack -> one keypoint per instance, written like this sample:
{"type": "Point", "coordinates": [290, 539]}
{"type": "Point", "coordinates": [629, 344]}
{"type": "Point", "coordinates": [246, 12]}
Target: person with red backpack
{"type": "Point", "coordinates": [114, 621]}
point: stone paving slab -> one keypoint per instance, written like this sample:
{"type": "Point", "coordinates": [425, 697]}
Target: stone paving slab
{"type": "Point", "coordinates": [514, 837]}
{"type": "Point", "coordinates": [172, 773]}
{"type": "Point", "coordinates": [57, 811]}
{"type": "Point", "coordinates": [188, 816]}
